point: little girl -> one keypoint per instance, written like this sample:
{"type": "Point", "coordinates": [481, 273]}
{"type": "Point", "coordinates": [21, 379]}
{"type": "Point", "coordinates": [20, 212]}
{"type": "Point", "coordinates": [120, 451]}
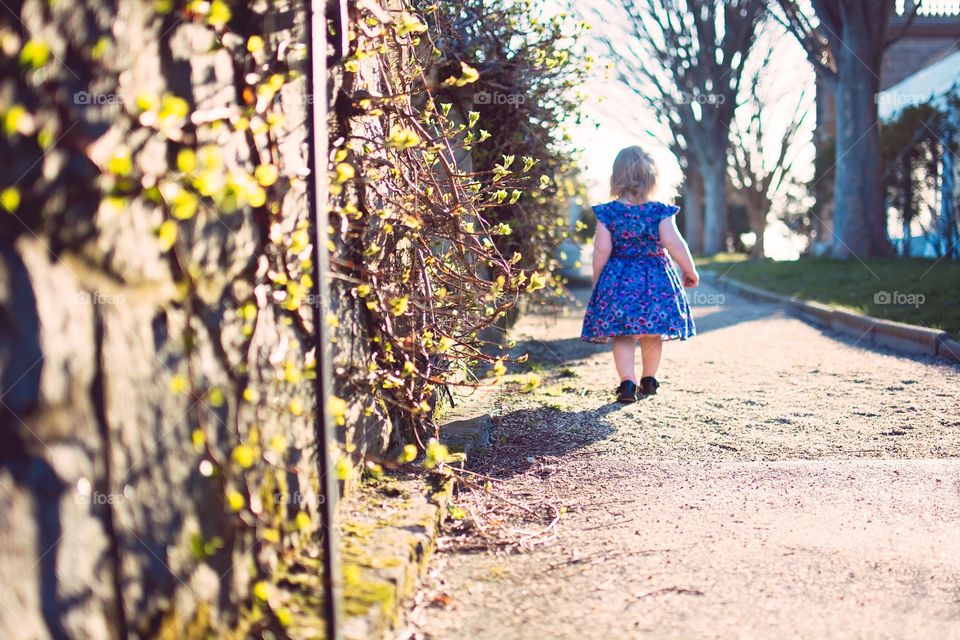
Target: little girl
{"type": "Point", "coordinates": [637, 295]}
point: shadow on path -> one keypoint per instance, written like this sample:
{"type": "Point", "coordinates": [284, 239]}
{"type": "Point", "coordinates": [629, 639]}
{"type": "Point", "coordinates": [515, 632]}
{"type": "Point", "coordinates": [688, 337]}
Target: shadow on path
{"type": "Point", "coordinates": [522, 436]}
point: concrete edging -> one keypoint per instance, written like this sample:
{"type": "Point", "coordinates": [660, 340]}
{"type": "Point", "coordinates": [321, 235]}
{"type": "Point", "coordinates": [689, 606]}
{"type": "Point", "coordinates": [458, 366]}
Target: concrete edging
{"type": "Point", "coordinates": [896, 336]}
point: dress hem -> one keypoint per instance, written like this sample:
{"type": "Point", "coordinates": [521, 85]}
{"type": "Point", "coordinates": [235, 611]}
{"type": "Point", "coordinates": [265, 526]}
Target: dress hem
{"type": "Point", "coordinates": [605, 339]}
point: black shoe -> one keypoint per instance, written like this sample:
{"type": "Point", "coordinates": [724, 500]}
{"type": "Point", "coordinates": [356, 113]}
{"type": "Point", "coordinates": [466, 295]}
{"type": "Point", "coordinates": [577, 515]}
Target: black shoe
{"type": "Point", "coordinates": [649, 386]}
{"type": "Point", "coordinates": [627, 392]}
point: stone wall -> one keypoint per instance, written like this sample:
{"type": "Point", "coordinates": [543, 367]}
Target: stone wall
{"type": "Point", "coordinates": [128, 376]}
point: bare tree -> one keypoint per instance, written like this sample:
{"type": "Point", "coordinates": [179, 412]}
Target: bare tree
{"type": "Point", "coordinates": [761, 162]}
{"type": "Point", "coordinates": [845, 41]}
{"type": "Point", "coordinates": [685, 59]}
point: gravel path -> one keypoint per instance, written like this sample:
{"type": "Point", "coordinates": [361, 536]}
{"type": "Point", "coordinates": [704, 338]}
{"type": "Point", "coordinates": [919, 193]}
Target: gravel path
{"type": "Point", "coordinates": [786, 483]}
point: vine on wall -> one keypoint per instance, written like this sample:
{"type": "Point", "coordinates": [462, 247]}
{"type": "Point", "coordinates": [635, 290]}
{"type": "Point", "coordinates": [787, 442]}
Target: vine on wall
{"type": "Point", "coordinates": [202, 165]}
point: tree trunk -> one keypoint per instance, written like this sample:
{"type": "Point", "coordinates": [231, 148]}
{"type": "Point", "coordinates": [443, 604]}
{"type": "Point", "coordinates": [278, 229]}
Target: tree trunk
{"type": "Point", "coordinates": [825, 140]}
{"type": "Point", "coordinates": [757, 216]}
{"type": "Point", "coordinates": [715, 206]}
{"type": "Point", "coordinates": [907, 215]}
{"type": "Point", "coordinates": [693, 209]}
{"type": "Point", "coordinates": [859, 217]}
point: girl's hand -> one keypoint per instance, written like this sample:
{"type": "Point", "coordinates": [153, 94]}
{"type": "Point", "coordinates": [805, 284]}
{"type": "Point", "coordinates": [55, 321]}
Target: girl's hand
{"type": "Point", "coordinates": [691, 279]}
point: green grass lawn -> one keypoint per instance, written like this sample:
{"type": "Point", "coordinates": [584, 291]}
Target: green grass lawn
{"type": "Point", "coordinates": [856, 285]}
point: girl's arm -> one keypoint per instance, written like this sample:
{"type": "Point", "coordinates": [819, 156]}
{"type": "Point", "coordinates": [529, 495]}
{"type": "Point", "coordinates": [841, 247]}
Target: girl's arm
{"type": "Point", "coordinates": [676, 246]}
{"type": "Point", "coordinates": [602, 248]}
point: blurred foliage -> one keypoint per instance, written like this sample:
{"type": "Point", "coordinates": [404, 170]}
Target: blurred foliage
{"type": "Point", "coordinates": [738, 224]}
{"type": "Point", "coordinates": [911, 148]}
{"type": "Point", "coordinates": [531, 68]}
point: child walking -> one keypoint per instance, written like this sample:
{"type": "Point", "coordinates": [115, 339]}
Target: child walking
{"type": "Point", "coordinates": [638, 295]}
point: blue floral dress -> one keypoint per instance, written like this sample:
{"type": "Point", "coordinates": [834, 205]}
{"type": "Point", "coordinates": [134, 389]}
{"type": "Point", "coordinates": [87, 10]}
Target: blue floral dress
{"type": "Point", "coordinates": [639, 291]}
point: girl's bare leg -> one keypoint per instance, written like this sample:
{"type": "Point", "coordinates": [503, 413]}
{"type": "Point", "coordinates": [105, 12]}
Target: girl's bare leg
{"type": "Point", "coordinates": [624, 354]}
{"type": "Point", "coordinates": [651, 348]}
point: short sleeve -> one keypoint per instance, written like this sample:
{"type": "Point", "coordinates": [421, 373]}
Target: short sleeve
{"type": "Point", "coordinates": [602, 213]}
{"type": "Point", "coordinates": [665, 211]}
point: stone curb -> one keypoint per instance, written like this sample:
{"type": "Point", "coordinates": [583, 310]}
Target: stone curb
{"type": "Point", "coordinates": [467, 435]}
{"type": "Point", "coordinates": [949, 349]}
{"type": "Point", "coordinates": [468, 426]}
{"type": "Point", "coordinates": [896, 336]}
{"type": "Point", "coordinates": [384, 561]}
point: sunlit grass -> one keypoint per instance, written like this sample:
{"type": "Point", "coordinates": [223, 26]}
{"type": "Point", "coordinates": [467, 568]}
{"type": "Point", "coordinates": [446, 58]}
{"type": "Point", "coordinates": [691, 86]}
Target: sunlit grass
{"type": "Point", "coordinates": [719, 260]}
{"type": "Point", "coordinates": [921, 291]}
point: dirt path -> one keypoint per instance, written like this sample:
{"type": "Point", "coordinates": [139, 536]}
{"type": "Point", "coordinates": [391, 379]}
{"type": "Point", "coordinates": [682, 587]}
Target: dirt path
{"type": "Point", "coordinates": [786, 483]}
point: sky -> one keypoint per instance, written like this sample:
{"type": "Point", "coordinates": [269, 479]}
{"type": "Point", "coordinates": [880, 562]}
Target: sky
{"type": "Point", "coordinates": [621, 119]}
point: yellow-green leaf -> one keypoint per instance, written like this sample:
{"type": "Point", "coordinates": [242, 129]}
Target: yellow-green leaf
{"type": "Point", "coordinates": [216, 397]}
{"type": "Point", "coordinates": [409, 454]}
{"type": "Point", "coordinates": [266, 174]}
{"type": "Point", "coordinates": [344, 172]}
{"type": "Point", "coordinates": [537, 281]}
{"type": "Point", "coordinates": [179, 383]}
{"type": "Point", "coordinates": [403, 138]}
{"type": "Point", "coordinates": [243, 455]}
{"type": "Point", "coordinates": [344, 469]}
{"type": "Point", "coordinates": [147, 102]}
{"type": "Point", "coordinates": [284, 616]}
{"type": "Point", "coordinates": [531, 382]}
{"type": "Point", "coordinates": [34, 54]}
{"type": "Point", "coordinates": [296, 406]}
{"type": "Point", "coordinates": [186, 160]}
{"type": "Point", "coordinates": [167, 234]}
{"type": "Point", "coordinates": [120, 163]}
{"type": "Point", "coordinates": [198, 439]}
{"type": "Point", "coordinates": [220, 13]}
{"type": "Point", "coordinates": [235, 500]}
{"type": "Point", "coordinates": [436, 454]}
{"type": "Point", "coordinates": [469, 75]}
{"type": "Point", "coordinates": [254, 44]}
{"type": "Point", "coordinates": [10, 199]}
{"type": "Point", "coordinates": [338, 410]}
{"type": "Point", "coordinates": [261, 591]}
{"type": "Point", "coordinates": [271, 535]}
{"type": "Point", "coordinates": [183, 205]}
{"type": "Point", "coordinates": [17, 120]}
{"type": "Point", "coordinates": [173, 107]}
{"type": "Point", "coordinates": [399, 306]}
{"type": "Point", "coordinates": [409, 23]}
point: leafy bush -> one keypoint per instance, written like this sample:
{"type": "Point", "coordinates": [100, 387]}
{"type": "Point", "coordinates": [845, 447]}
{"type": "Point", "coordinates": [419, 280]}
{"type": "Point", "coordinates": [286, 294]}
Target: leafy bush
{"type": "Point", "coordinates": [443, 222]}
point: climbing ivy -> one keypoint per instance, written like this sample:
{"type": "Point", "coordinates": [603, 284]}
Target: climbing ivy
{"type": "Point", "coordinates": [188, 170]}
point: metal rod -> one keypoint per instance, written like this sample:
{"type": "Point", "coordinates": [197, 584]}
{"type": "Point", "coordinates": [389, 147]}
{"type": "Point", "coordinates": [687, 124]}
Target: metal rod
{"type": "Point", "coordinates": [316, 82]}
